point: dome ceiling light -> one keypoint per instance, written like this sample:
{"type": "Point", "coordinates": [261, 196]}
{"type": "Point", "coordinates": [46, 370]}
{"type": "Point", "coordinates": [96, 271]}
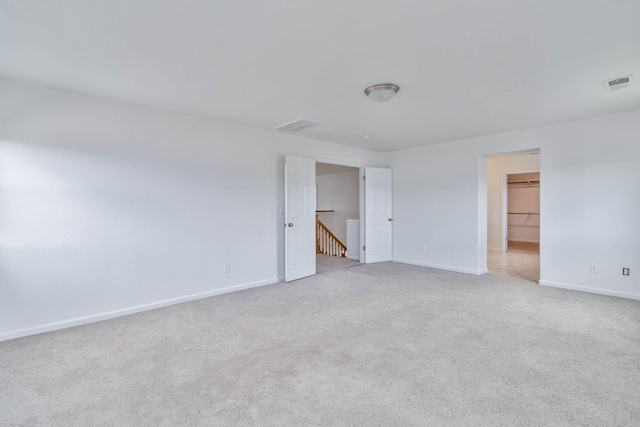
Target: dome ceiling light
{"type": "Point", "coordinates": [382, 92]}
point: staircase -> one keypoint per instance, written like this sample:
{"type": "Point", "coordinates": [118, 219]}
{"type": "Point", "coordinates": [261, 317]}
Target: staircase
{"type": "Point", "coordinates": [327, 243]}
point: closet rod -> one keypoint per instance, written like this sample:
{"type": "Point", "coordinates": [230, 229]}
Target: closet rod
{"type": "Point", "coordinates": [528, 181]}
{"type": "Point", "coordinates": [523, 213]}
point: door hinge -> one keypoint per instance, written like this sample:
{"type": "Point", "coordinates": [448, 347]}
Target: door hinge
{"type": "Point", "coordinates": [364, 177]}
{"type": "Point", "coordinates": [364, 248]}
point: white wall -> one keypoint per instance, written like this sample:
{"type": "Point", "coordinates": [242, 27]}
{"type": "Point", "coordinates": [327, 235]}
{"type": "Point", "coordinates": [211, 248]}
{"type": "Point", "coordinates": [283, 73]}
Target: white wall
{"type": "Point", "coordinates": [107, 207]}
{"type": "Point", "coordinates": [590, 202]}
{"type": "Point", "coordinates": [340, 192]}
{"type": "Point", "coordinates": [497, 167]}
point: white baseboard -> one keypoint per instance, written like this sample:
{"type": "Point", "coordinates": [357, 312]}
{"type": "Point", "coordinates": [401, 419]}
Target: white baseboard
{"type": "Point", "coordinates": [589, 290]}
{"type": "Point", "coordinates": [441, 267]}
{"type": "Point", "coordinates": [524, 241]}
{"type": "Point", "coordinates": [130, 310]}
{"type": "Point", "coordinates": [354, 258]}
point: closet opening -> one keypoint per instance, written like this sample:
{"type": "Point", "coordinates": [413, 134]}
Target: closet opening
{"type": "Point", "coordinates": [513, 215]}
{"type": "Point", "coordinates": [523, 213]}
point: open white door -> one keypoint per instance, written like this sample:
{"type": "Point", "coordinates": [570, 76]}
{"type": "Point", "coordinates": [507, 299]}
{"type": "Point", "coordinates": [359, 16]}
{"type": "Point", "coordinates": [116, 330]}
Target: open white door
{"type": "Point", "coordinates": [300, 218]}
{"type": "Point", "coordinates": [378, 215]}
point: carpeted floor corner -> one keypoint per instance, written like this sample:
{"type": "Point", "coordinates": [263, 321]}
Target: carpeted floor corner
{"type": "Point", "coordinates": [380, 344]}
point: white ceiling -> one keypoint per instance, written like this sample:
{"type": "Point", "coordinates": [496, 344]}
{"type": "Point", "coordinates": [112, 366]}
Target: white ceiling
{"type": "Point", "coordinates": [465, 68]}
{"type": "Point", "coordinates": [329, 169]}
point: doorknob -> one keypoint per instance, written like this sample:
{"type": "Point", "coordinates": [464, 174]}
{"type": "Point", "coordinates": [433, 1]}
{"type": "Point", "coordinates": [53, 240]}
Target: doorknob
{"type": "Point", "coordinates": [290, 224]}
{"type": "Point", "coordinates": [390, 219]}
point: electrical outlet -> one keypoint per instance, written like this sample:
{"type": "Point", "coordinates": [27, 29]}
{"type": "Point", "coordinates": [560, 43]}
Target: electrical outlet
{"type": "Point", "coordinates": [594, 268]}
{"type": "Point", "coordinates": [625, 271]}
{"type": "Point", "coordinates": [227, 268]}
{"type": "Point", "coordinates": [424, 249]}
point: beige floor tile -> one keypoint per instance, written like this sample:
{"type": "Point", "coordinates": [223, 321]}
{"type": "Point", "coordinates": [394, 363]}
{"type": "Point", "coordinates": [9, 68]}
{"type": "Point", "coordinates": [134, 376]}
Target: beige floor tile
{"type": "Point", "coordinates": [522, 260]}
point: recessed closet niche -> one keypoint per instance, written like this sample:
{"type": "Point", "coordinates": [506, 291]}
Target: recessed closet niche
{"type": "Point", "coordinates": [523, 215]}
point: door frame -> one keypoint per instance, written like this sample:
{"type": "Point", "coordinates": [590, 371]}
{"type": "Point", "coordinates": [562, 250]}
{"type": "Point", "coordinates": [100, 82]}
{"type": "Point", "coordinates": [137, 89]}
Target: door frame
{"type": "Point", "coordinates": [361, 204]}
{"type": "Point", "coordinates": [483, 200]}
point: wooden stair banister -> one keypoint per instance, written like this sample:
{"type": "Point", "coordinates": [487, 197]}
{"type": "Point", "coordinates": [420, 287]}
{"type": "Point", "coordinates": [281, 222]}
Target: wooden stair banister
{"type": "Point", "coordinates": [327, 243]}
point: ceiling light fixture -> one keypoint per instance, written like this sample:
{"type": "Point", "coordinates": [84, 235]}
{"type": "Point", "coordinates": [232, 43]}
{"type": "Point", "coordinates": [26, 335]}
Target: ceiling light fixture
{"type": "Point", "coordinates": [382, 92]}
{"type": "Point", "coordinates": [366, 137]}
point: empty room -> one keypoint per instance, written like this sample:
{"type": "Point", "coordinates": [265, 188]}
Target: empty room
{"type": "Point", "coordinates": [287, 213]}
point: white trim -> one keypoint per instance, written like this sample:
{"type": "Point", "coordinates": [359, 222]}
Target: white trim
{"type": "Point", "coordinates": [524, 241]}
{"type": "Point", "coordinates": [588, 289]}
{"type": "Point", "coordinates": [441, 267]}
{"type": "Point", "coordinates": [131, 310]}
{"type": "Point", "coordinates": [354, 258]}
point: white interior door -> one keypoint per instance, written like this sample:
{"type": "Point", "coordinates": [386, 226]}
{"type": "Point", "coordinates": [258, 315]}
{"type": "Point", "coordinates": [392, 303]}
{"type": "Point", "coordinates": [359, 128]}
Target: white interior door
{"type": "Point", "coordinates": [300, 218]}
{"type": "Point", "coordinates": [378, 215]}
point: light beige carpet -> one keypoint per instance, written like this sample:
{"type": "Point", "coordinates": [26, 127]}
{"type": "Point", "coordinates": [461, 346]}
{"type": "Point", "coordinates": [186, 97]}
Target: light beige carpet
{"type": "Point", "coordinates": [325, 263]}
{"type": "Point", "coordinates": [383, 344]}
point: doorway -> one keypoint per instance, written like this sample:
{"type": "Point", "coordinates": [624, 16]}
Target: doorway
{"type": "Point", "coordinates": [337, 217]}
{"type": "Point", "coordinates": [375, 188]}
{"type": "Point", "coordinates": [513, 215]}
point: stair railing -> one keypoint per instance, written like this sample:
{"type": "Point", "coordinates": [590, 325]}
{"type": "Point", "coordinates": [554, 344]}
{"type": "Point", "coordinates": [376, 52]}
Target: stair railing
{"type": "Point", "coordinates": [327, 243]}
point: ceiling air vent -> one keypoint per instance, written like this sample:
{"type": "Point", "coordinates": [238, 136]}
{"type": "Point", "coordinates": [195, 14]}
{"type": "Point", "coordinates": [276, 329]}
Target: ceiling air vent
{"type": "Point", "coordinates": [296, 125]}
{"type": "Point", "coordinates": [619, 83]}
